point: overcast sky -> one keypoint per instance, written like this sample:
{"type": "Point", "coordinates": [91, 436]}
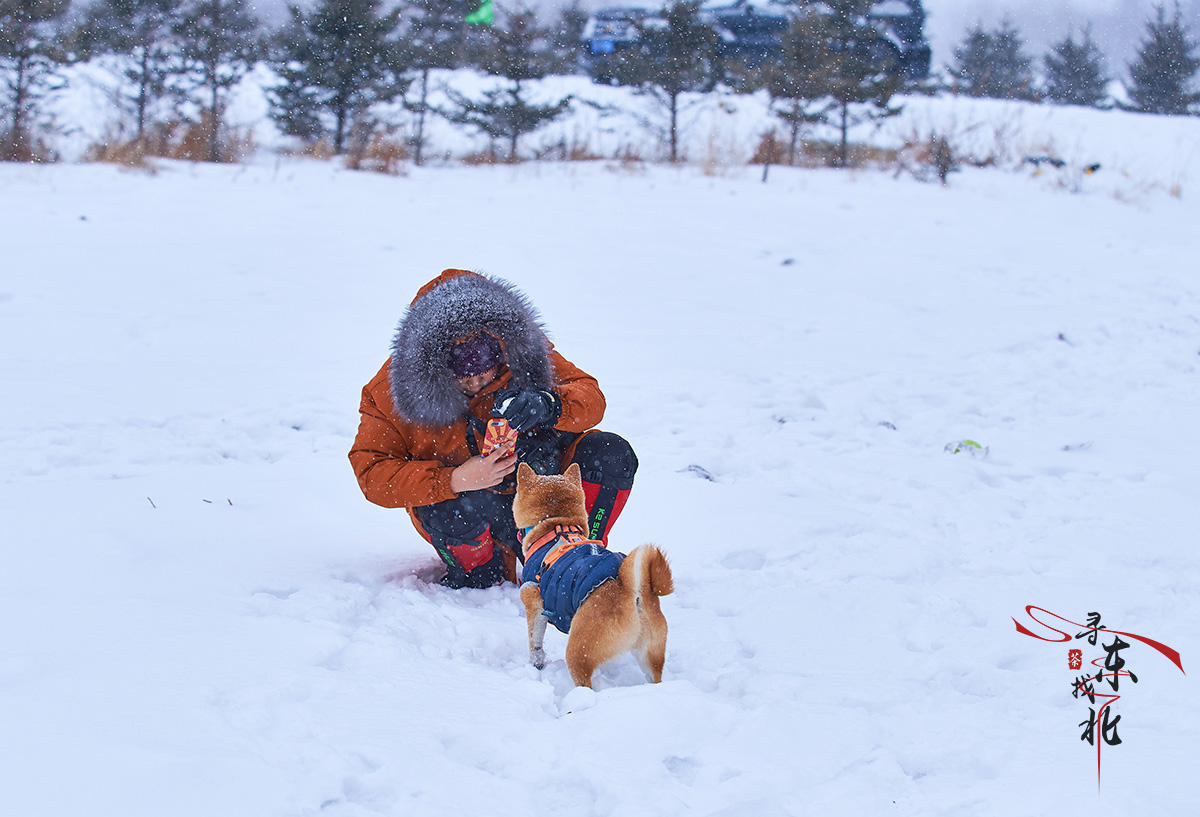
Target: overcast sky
{"type": "Point", "coordinates": [1118, 26]}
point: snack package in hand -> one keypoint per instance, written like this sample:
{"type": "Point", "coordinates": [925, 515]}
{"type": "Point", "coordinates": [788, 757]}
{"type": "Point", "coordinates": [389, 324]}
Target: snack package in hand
{"type": "Point", "coordinates": [497, 434]}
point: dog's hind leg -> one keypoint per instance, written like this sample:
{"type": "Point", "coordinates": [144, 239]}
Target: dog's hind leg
{"type": "Point", "coordinates": [531, 596]}
{"type": "Point", "coordinates": [583, 657]}
{"type": "Point", "coordinates": [652, 654]}
{"type": "Point", "coordinates": [604, 627]}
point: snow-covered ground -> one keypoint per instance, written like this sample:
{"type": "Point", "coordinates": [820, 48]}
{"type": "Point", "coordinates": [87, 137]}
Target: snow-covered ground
{"type": "Point", "coordinates": [718, 131]}
{"type": "Point", "coordinates": [203, 616]}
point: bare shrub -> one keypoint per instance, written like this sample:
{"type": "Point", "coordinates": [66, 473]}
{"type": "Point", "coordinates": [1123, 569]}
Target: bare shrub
{"type": "Point", "coordinates": [190, 140]}
{"type": "Point", "coordinates": [237, 145]}
{"type": "Point", "coordinates": [129, 154]}
{"type": "Point", "coordinates": [487, 157]}
{"type": "Point", "coordinates": [379, 150]}
{"type": "Point", "coordinates": [940, 156]}
{"type": "Point", "coordinates": [770, 150]}
{"type": "Point", "coordinates": [161, 138]}
{"type": "Point", "coordinates": [575, 149]}
{"type": "Point", "coordinates": [990, 144]}
{"type": "Point", "coordinates": [628, 159]}
{"type": "Point", "coordinates": [173, 139]}
{"type": "Point", "coordinates": [320, 149]}
{"type": "Point", "coordinates": [1134, 191]}
{"type": "Point", "coordinates": [22, 146]}
{"type": "Point", "coordinates": [822, 153]}
{"type": "Point", "coordinates": [929, 152]}
{"type": "Point", "coordinates": [927, 157]}
{"type": "Point", "coordinates": [871, 156]}
{"type": "Point", "coordinates": [581, 153]}
{"type": "Point", "coordinates": [192, 143]}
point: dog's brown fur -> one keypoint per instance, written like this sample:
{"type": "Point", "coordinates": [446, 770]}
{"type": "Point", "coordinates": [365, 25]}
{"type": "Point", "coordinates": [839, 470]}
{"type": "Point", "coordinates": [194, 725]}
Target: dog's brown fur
{"type": "Point", "coordinates": [619, 616]}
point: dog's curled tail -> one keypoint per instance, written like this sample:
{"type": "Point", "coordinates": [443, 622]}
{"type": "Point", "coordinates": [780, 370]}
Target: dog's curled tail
{"type": "Point", "coordinates": [651, 572]}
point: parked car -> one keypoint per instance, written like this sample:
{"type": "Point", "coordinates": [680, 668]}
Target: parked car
{"type": "Point", "coordinates": [749, 32]}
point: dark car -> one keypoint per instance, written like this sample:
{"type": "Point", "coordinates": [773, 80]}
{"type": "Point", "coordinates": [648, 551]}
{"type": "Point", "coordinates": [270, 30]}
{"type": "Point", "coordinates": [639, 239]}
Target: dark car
{"type": "Point", "coordinates": [607, 32]}
{"type": "Point", "coordinates": [749, 32]}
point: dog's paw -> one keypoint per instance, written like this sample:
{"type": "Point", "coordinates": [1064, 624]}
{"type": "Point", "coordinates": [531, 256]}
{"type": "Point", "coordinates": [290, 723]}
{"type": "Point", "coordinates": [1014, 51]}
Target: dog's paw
{"type": "Point", "coordinates": [538, 658]}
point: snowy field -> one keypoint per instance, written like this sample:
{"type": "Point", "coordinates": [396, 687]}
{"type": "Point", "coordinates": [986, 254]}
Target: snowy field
{"type": "Point", "coordinates": [718, 131]}
{"type": "Point", "coordinates": [203, 616]}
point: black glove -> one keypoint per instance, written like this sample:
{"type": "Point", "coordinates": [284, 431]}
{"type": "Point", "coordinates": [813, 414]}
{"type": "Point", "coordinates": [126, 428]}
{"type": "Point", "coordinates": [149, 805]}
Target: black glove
{"type": "Point", "coordinates": [528, 409]}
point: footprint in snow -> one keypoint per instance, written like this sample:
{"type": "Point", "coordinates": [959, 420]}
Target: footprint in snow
{"type": "Point", "coordinates": [699, 471]}
{"type": "Point", "coordinates": [282, 595]}
{"type": "Point", "coordinates": [744, 560]}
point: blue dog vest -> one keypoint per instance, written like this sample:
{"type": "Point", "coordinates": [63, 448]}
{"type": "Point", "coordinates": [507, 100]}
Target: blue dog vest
{"type": "Point", "coordinates": [570, 575]}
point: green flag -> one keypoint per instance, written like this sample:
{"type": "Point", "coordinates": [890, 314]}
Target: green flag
{"type": "Point", "coordinates": [482, 16]}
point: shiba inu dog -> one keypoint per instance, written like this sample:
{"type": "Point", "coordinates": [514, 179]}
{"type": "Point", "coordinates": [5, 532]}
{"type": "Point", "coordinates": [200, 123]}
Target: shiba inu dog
{"type": "Point", "coordinates": [606, 602]}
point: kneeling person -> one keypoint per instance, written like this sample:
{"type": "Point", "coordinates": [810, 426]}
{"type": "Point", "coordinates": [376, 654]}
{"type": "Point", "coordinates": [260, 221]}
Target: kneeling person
{"type": "Point", "coordinates": [471, 348]}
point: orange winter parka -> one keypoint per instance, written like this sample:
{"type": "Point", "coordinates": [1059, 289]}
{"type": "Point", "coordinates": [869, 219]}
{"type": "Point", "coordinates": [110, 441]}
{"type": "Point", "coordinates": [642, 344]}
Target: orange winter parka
{"type": "Point", "coordinates": [412, 431]}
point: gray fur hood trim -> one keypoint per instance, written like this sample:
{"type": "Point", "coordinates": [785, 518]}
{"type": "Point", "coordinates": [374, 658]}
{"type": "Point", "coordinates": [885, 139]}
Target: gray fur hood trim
{"type": "Point", "coordinates": [424, 389]}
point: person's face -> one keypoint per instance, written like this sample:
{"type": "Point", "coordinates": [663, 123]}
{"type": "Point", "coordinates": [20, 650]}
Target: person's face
{"type": "Point", "coordinates": [471, 386]}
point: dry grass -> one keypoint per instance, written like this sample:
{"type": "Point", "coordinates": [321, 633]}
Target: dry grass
{"type": "Point", "coordinates": [1134, 192]}
{"type": "Point", "coordinates": [486, 157]}
{"type": "Point", "coordinates": [581, 153]}
{"type": "Point", "coordinates": [816, 153]}
{"type": "Point", "coordinates": [381, 151]}
{"type": "Point", "coordinates": [821, 153]}
{"type": "Point", "coordinates": [575, 149]}
{"type": "Point", "coordinates": [627, 159]}
{"type": "Point", "coordinates": [770, 150]}
{"type": "Point", "coordinates": [321, 149]}
{"type": "Point", "coordinates": [1175, 186]}
{"type": "Point", "coordinates": [927, 157]}
{"type": "Point", "coordinates": [22, 146]}
{"type": "Point", "coordinates": [132, 155]}
{"type": "Point", "coordinates": [194, 143]}
{"type": "Point", "coordinates": [175, 139]}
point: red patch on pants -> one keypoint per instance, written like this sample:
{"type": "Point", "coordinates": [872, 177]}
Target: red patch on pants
{"type": "Point", "coordinates": [471, 555]}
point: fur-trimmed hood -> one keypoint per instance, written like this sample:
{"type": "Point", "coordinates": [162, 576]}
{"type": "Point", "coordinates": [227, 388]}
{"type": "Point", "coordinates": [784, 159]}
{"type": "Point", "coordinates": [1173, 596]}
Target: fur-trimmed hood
{"type": "Point", "coordinates": [454, 306]}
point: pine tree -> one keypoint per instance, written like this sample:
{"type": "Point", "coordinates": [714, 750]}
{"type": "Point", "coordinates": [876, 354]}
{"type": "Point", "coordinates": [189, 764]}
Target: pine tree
{"type": "Point", "coordinates": [911, 32]}
{"type": "Point", "coordinates": [1013, 71]}
{"type": "Point", "coordinates": [972, 59]}
{"type": "Point", "coordinates": [29, 57]}
{"type": "Point", "coordinates": [861, 68]}
{"type": "Point", "coordinates": [1162, 76]}
{"type": "Point", "coordinates": [796, 81]}
{"type": "Point", "coordinates": [141, 31]}
{"type": "Point", "coordinates": [993, 64]}
{"type": "Point", "coordinates": [218, 45]}
{"type": "Point", "coordinates": [673, 59]}
{"type": "Point", "coordinates": [1075, 72]}
{"type": "Point", "coordinates": [519, 51]}
{"type": "Point", "coordinates": [435, 37]}
{"type": "Point", "coordinates": [565, 35]}
{"type": "Point", "coordinates": [337, 60]}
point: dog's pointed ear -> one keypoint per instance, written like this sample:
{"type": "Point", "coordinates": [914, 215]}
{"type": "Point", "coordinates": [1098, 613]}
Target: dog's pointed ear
{"type": "Point", "coordinates": [524, 474]}
{"type": "Point", "coordinates": [572, 473]}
